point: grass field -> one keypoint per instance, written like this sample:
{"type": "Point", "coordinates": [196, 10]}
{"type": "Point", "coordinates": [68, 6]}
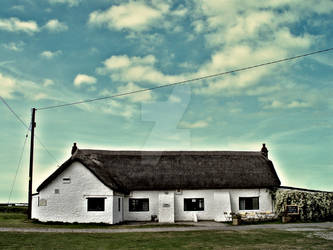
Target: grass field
{"type": "Point", "coordinates": [250, 239]}
{"type": "Point", "coordinates": [254, 239]}
{"type": "Point", "coordinates": [20, 220]}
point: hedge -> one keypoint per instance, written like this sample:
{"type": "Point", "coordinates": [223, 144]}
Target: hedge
{"type": "Point", "coordinates": [313, 206]}
{"type": "Point", "coordinates": [13, 209]}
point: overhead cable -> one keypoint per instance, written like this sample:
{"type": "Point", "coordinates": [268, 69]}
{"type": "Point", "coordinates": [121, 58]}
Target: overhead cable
{"type": "Point", "coordinates": [184, 81]}
{"type": "Point", "coordinates": [18, 167]}
{"type": "Point", "coordinates": [28, 127]}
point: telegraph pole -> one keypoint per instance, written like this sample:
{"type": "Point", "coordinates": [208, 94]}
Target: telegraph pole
{"type": "Point", "coordinates": [32, 137]}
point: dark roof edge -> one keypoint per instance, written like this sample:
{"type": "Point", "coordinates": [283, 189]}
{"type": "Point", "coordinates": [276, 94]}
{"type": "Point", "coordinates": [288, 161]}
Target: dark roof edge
{"type": "Point", "coordinates": [274, 171]}
{"type": "Point", "coordinates": [153, 152]}
{"type": "Point", "coordinates": [304, 189]}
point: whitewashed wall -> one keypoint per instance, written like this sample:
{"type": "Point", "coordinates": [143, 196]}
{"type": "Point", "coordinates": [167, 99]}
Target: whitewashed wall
{"type": "Point", "coordinates": [211, 211]}
{"type": "Point", "coordinates": [265, 199]}
{"type": "Point", "coordinates": [142, 216]}
{"type": "Point", "coordinates": [70, 205]}
{"type": "Point", "coordinates": [117, 209]}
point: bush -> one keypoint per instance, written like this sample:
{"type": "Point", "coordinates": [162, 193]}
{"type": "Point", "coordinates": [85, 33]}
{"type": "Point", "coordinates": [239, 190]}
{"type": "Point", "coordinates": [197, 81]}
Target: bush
{"type": "Point", "coordinates": [313, 206]}
{"type": "Point", "coordinates": [13, 209]}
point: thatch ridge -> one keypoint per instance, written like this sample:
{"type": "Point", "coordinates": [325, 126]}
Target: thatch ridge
{"type": "Point", "coordinates": [124, 171]}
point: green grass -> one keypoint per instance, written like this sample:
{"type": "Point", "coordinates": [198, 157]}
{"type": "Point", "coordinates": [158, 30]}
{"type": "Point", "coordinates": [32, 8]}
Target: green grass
{"type": "Point", "coordinates": [21, 220]}
{"type": "Point", "coordinates": [254, 239]}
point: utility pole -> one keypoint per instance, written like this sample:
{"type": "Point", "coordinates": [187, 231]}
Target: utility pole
{"type": "Point", "coordinates": [32, 137]}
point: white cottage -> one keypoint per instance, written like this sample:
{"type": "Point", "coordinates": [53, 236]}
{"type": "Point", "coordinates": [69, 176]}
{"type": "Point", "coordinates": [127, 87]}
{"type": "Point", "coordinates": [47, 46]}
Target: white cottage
{"type": "Point", "coordinates": [115, 186]}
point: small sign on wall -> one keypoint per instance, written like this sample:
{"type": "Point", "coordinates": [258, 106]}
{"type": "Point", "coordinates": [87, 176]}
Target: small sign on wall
{"type": "Point", "coordinates": [292, 209]}
{"type": "Point", "coordinates": [42, 202]}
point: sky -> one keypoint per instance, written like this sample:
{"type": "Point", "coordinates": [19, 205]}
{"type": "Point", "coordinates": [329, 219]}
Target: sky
{"type": "Point", "coordinates": [58, 51]}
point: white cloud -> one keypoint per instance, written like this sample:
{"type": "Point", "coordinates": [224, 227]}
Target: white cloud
{"type": "Point", "coordinates": [28, 89]}
{"type": "Point", "coordinates": [145, 96]}
{"type": "Point", "coordinates": [136, 69]}
{"type": "Point", "coordinates": [174, 99]}
{"type": "Point", "coordinates": [18, 8]}
{"type": "Point", "coordinates": [55, 26]}
{"type": "Point", "coordinates": [70, 3]}
{"type": "Point", "coordinates": [49, 54]}
{"type": "Point", "coordinates": [133, 15]}
{"type": "Point", "coordinates": [7, 86]}
{"type": "Point", "coordinates": [197, 124]}
{"type": "Point", "coordinates": [14, 24]}
{"type": "Point", "coordinates": [48, 82]}
{"type": "Point", "coordinates": [298, 104]}
{"type": "Point", "coordinates": [294, 104]}
{"type": "Point", "coordinates": [84, 79]}
{"type": "Point", "coordinates": [18, 46]}
{"type": "Point", "coordinates": [118, 108]}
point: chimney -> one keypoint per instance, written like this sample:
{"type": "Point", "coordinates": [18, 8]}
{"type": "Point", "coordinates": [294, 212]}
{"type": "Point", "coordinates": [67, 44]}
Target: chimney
{"type": "Point", "coordinates": [264, 150]}
{"type": "Point", "coordinates": [74, 148]}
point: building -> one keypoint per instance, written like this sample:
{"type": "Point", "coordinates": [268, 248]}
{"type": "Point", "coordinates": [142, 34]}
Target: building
{"type": "Point", "coordinates": [115, 186]}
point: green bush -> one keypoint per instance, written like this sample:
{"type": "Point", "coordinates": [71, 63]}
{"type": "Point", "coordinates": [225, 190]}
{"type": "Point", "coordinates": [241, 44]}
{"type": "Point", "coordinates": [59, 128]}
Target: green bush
{"type": "Point", "coordinates": [313, 206]}
{"type": "Point", "coordinates": [14, 209]}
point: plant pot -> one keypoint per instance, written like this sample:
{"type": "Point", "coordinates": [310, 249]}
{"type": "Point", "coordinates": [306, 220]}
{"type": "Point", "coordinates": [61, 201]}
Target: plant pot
{"type": "Point", "coordinates": [286, 219]}
{"type": "Point", "coordinates": [236, 221]}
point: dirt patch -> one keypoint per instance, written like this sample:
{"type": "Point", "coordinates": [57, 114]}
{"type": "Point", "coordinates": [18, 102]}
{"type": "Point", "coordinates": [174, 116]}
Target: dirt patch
{"type": "Point", "coordinates": [304, 229]}
{"type": "Point", "coordinates": [324, 235]}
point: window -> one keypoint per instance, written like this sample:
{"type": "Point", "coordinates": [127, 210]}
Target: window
{"type": "Point", "coordinates": [96, 204]}
{"type": "Point", "coordinates": [42, 202]}
{"type": "Point", "coordinates": [248, 203]}
{"type": "Point", "coordinates": [194, 204]}
{"type": "Point", "coordinates": [138, 205]}
{"type": "Point", "coordinates": [66, 180]}
{"type": "Point", "coordinates": [118, 204]}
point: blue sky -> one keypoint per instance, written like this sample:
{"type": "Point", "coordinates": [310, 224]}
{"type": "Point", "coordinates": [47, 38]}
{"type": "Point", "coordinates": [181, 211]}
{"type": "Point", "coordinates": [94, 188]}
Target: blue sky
{"type": "Point", "coordinates": [58, 51]}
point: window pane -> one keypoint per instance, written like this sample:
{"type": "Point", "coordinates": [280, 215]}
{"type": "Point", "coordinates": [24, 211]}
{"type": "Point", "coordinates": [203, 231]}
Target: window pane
{"type": "Point", "coordinates": [241, 204]}
{"type": "Point", "coordinates": [96, 204]}
{"type": "Point", "coordinates": [138, 205]}
{"type": "Point", "coordinates": [248, 203]}
{"type": "Point", "coordinates": [194, 204]}
{"type": "Point", "coordinates": [255, 201]}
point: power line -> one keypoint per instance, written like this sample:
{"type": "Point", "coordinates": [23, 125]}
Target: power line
{"type": "Point", "coordinates": [47, 151]}
{"type": "Point", "coordinates": [185, 81]}
{"type": "Point", "coordinates": [18, 167]}
{"type": "Point", "coordinates": [28, 127]}
{"type": "Point", "coordinates": [13, 112]}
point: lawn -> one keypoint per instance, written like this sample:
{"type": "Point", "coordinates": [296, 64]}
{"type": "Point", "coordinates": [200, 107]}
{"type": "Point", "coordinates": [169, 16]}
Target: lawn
{"type": "Point", "coordinates": [253, 239]}
{"type": "Point", "coordinates": [21, 220]}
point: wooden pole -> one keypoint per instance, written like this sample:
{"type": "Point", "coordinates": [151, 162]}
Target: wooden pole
{"type": "Point", "coordinates": [33, 125]}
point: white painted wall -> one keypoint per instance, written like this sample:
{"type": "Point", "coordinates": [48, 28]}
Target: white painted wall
{"type": "Point", "coordinates": [70, 205]}
{"type": "Point", "coordinates": [265, 199]}
{"type": "Point", "coordinates": [214, 203]}
{"type": "Point", "coordinates": [117, 209]}
{"type": "Point", "coordinates": [142, 216]}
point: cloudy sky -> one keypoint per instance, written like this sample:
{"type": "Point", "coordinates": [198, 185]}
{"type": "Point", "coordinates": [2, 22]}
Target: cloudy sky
{"type": "Point", "coordinates": [58, 51]}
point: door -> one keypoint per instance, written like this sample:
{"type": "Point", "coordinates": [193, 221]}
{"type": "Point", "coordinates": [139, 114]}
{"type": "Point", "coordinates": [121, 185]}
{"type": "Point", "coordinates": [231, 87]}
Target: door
{"type": "Point", "coordinates": [166, 207]}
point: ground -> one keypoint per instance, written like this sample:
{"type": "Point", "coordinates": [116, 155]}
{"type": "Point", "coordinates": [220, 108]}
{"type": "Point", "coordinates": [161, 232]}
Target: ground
{"type": "Point", "coordinates": [16, 232]}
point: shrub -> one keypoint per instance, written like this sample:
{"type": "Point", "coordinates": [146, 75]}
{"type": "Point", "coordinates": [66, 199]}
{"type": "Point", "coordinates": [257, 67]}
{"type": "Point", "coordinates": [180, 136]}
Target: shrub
{"type": "Point", "coordinates": [13, 209]}
{"type": "Point", "coordinates": [313, 206]}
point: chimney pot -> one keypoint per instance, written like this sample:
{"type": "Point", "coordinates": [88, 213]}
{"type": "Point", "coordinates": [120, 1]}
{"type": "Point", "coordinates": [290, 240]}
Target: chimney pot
{"type": "Point", "coordinates": [74, 148]}
{"type": "Point", "coordinates": [264, 150]}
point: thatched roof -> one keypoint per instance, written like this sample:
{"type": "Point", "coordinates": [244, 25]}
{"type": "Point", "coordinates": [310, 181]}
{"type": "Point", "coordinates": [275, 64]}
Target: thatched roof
{"type": "Point", "coordinates": [124, 171]}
